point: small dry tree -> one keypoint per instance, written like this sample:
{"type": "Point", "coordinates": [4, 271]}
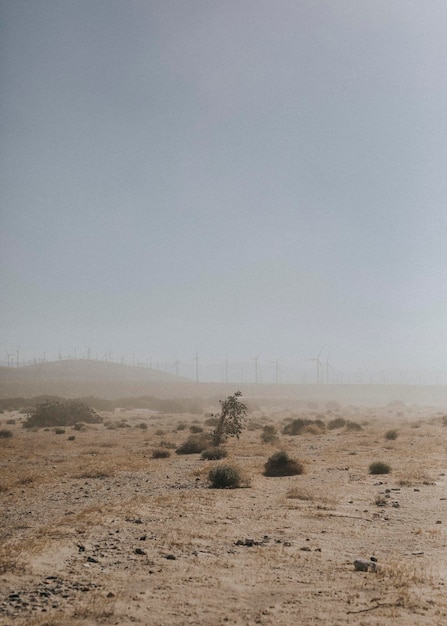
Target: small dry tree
{"type": "Point", "coordinates": [231, 419]}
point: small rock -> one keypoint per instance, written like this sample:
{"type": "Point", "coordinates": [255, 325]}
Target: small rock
{"type": "Point", "coordinates": [140, 551]}
{"type": "Point", "coordinates": [91, 559]}
{"type": "Point", "coordinates": [170, 557]}
{"type": "Point", "coordinates": [110, 595]}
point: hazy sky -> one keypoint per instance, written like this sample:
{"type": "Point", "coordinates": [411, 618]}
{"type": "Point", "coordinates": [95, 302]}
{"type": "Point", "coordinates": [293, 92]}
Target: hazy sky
{"type": "Point", "coordinates": [227, 177]}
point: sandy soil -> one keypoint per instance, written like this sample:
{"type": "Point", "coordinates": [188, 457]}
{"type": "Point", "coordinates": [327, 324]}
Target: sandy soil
{"type": "Point", "coordinates": [96, 531]}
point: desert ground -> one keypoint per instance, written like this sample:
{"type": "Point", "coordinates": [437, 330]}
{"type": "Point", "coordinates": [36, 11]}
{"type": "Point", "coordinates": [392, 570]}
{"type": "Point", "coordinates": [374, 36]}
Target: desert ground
{"type": "Point", "coordinates": [95, 530]}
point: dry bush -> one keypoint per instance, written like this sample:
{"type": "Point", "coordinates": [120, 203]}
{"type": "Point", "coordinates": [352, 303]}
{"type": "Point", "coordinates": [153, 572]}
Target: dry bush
{"type": "Point", "coordinates": [5, 434]}
{"type": "Point", "coordinates": [269, 434]}
{"type": "Point", "coordinates": [280, 464]}
{"type": "Point", "coordinates": [61, 413]}
{"type": "Point", "coordinates": [161, 453]}
{"type": "Point", "coordinates": [299, 493]}
{"type": "Point", "coordinates": [338, 422]}
{"type": "Point", "coordinates": [195, 444]}
{"type": "Point", "coordinates": [214, 453]}
{"type": "Point", "coordinates": [96, 472]}
{"type": "Point", "coordinates": [379, 467]}
{"type": "Point", "coordinates": [224, 476]}
{"type": "Point", "coordinates": [391, 435]}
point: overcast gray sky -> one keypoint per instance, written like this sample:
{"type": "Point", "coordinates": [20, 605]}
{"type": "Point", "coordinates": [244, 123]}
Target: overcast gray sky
{"type": "Point", "coordinates": [225, 177]}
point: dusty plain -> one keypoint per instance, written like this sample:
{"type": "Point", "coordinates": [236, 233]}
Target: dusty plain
{"type": "Point", "coordinates": [94, 530]}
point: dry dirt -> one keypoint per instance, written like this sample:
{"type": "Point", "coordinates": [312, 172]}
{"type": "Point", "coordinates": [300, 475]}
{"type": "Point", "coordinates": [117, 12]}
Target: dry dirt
{"type": "Point", "coordinates": [96, 531]}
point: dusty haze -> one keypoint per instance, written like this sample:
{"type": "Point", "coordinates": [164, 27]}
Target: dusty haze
{"type": "Point", "coordinates": [226, 180]}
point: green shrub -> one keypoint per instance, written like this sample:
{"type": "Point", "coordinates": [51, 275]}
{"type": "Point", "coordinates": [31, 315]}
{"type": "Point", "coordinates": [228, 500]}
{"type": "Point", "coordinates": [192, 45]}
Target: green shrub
{"type": "Point", "coordinates": [161, 454]}
{"type": "Point", "coordinates": [379, 467]}
{"type": "Point", "coordinates": [224, 477]}
{"type": "Point", "coordinates": [338, 422]}
{"type": "Point", "coordinates": [391, 435]}
{"type": "Point", "coordinates": [269, 434]}
{"type": "Point", "coordinates": [5, 434]}
{"type": "Point", "coordinates": [280, 464]}
{"type": "Point", "coordinates": [195, 444]}
{"type": "Point", "coordinates": [214, 454]}
{"type": "Point", "coordinates": [61, 413]}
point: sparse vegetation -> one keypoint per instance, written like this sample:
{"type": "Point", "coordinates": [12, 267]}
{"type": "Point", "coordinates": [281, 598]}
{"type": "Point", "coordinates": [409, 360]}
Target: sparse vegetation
{"type": "Point", "coordinates": [338, 422]}
{"type": "Point", "coordinates": [195, 429]}
{"type": "Point", "coordinates": [61, 413]}
{"type": "Point", "coordinates": [5, 434]}
{"type": "Point", "coordinates": [224, 477]}
{"type": "Point", "coordinates": [231, 419]}
{"type": "Point", "coordinates": [379, 467]}
{"type": "Point", "coordinates": [280, 464]}
{"type": "Point", "coordinates": [391, 435]}
{"type": "Point", "coordinates": [269, 434]}
{"type": "Point", "coordinates": [300, 425]}
{"type": "Point", "coordinates": [161, 453]}
{"type": "Point", "coordinates": [214, 454]}
{"type": "Point", "coordinates": [353, 426]}
{"type": "Point", "coordinates": [195, 444]}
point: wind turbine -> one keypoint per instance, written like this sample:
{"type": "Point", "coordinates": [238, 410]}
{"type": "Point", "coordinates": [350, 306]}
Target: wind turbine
{"type": "Point", "coordinates": [255, 358]}
{"type": "Point", "coordinates": [319, 365]}
{"type": "Point", "coordinates": [176, 365]}
{"type": "Point", "coordinates": [8, 358]}
{"type": "Point", "coordinates": [327, 367]}
{"type": "Point", "coordinates": [276, 364]}
{"type": "Point", "coordinates": [196, 359]}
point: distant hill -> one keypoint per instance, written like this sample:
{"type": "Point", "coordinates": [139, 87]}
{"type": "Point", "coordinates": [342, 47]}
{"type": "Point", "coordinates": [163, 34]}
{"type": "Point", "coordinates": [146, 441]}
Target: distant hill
{"type": "Point", "coordinates": [76, 377]}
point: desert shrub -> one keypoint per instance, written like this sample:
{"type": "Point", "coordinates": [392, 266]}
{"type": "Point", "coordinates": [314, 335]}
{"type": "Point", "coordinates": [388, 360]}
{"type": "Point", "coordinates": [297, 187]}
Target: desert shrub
{"type": "Point", "coordinates": [214, 453]}
{"type": "Point", "coordinates": [313, 429]}
{"type": "Point", "coordinates": [379, 467]}
{"type": "Point", "coordinates": [280, 464]}
{"type": "Point", "coordinates": [231, 419]}
{"type": "Point", "coordinates": [269, 434]}
{"type": "Point", "coordinates": [11, 421]}
{"type": "Point", "coordinates": [5, 434]}
{"type": "Point", "coordinates": [181, 426]}
{"type": "Point", "coordinates": [254, 425]}
{"type": "Point", "coordinates": [160, 432]}
{"type": "Point", "coordinates": [338, 422]}
{"type": "Point", "coordinates": [167, 444]}
{"type": "Point", "coordinates": [59, 431]}
{"type": "Point", "coordinates": [79, 426]}
{"type": "Point", "coordinates": [161, 453]}
{"type": "Point", "coordinates": [71, 438]}
{"type": "Point", "coordinates": [195, 444]}
{"type": "Point", "coordinates": [296, 427]}
{"type": "Point", "coordinates": [391, 435]}
{"type": "Point", "coordinates": [353, 426]}
{"type": "Point", "coordinates": [444, 420]}
{"type": "Point", "coordinates": [196, 429]}
{"type": "Point", "coordinates": [61, 413]}
{"type": "Point", "coordinates": [224, 477]}
{"type": "Point", "coordinates": [142, 425]}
